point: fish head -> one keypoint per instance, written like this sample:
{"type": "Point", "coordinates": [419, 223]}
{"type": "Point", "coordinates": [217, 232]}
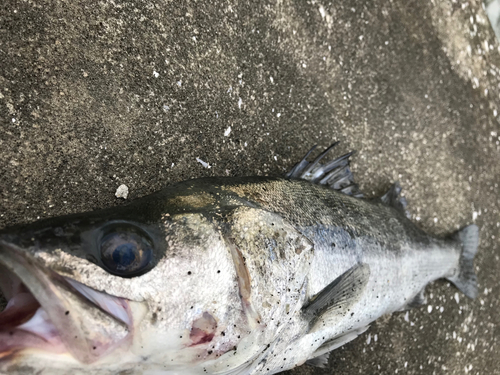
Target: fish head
{"type": "Point", "coordinates": [143, 287]}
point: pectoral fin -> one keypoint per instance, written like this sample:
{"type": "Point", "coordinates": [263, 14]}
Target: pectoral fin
{"type": "Point", "coordinates": [336, 300]}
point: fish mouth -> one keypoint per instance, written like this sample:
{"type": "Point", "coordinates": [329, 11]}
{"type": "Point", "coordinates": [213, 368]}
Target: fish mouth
{"type": "Point", "coordinates": [42, 310]}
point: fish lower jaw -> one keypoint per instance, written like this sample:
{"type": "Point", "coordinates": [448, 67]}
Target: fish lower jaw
{"type": "Point", "coordinates": [35, 333]}
{"type": "Point", "coordinates": [26, 328]}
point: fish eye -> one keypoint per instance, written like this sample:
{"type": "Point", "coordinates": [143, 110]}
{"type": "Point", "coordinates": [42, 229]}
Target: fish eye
{"type": "Point", "coordinates": [126, 251]}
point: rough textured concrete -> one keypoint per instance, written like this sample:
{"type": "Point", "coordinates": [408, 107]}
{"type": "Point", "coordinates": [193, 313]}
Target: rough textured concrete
{"type": "Point", "coordinates": [98, 94]}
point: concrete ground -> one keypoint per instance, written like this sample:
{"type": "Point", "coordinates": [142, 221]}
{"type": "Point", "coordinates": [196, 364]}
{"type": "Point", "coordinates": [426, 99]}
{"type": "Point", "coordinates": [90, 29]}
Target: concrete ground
{"type": "Point", "coordinates": [98, 94]}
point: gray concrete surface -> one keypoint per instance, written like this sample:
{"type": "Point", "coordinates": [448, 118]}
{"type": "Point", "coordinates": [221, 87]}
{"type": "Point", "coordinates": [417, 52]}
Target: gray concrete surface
{"type": "Point", "coordinates": [98, 94]}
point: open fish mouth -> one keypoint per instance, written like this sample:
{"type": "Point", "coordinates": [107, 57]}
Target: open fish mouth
{"type": "Point", "coordinates": [45, 311]}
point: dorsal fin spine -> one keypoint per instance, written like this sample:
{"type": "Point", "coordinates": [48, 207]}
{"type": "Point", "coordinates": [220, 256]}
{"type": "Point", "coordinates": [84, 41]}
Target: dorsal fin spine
{"type": "Point", "coordinates": [335, 174]}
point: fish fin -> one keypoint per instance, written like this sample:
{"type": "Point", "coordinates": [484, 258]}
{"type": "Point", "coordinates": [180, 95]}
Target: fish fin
{"type": "Point", "coordinates": [465, 278]}
{"type": "Point", "coordinates": [394, 199]}
{"type": "Point", "coordinates": [337, 342]}
{"type": "Point", "coordinates": [320, 361]}
{"type": "Point", "coordinates": [419, 300]}
{"type": "Point", "coordinates": [334, 174]}
{"type": "Point", "coordinates": [337, 298]}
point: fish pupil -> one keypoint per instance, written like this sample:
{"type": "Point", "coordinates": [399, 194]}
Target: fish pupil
{"type": "Point", "coordinates": [124, 255]}
{"type": "Point", "coordinates": [125, 250]}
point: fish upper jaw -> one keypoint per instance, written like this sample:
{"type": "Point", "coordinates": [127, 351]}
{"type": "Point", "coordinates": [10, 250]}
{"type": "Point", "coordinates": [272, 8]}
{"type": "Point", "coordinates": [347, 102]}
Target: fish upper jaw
{"type": "Point", "coordinates": [50, 313]}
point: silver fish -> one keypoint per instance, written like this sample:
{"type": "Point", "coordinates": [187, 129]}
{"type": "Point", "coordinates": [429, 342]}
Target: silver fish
{"type": "Point", "coordinates": [250, 275]}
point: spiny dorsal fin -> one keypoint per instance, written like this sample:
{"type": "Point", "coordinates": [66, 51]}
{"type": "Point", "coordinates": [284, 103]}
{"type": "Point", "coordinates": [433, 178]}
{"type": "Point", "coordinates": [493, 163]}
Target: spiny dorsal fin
{"type": "Point", "coordinates": [395, 200]}
{"type": "Point", "coordinates": [336, 300]}
{"type": "Point", "coordinates": [335, 174]}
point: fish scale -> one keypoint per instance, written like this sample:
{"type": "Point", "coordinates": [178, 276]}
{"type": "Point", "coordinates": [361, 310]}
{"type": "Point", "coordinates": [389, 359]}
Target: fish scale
{"type": "Point", "coordinates": [244, 275]}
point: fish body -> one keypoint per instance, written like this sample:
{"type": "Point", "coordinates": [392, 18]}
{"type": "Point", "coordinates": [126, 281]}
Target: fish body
{"type": "Point", "coordinates": [249, 275]}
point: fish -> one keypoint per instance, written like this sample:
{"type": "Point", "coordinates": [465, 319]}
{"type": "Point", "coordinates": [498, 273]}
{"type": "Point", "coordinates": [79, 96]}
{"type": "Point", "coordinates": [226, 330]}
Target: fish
{"type": "Point", "coordinates": [219, 275]}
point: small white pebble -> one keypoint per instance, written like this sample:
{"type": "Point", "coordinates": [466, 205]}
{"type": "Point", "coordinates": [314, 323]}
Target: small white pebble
{"type": "Point", "coordinates": [240, 103]}
{"type": "Point", "coordinates": [156, 74]}
{"type": "Point", "coordinates": [122, 191]}
{"type": "Point", "coordinates": [322, 11]}
{"type": "Point", "coordinates": [205, 165]}
{"type": "Point", "coordinates": [457, 298]}
{"type": "Point", "coordinates": [227, 132]}
{"type": "Point", "coordinates": [429, 309]}
{"type": "Point", "coordinates": [407, 316]}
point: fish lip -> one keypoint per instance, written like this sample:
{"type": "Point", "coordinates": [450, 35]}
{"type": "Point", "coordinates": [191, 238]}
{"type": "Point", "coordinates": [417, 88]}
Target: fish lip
{"type": "Point", "coordinates": [88, 323]}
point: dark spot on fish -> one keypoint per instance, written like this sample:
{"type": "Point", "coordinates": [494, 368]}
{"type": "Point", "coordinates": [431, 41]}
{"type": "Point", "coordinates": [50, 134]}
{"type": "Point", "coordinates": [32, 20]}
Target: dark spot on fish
{"type": "Point", "coordinates": [189, 272]}
{"type": "Point", "coordinates": [334, 244]}
{"type": "Point", "coordinates": [218, 271]}
{"type": "Point", "coordinates": [209, 352]}
{"type": "Point", "coordinates": [66, 313]}
{"type": "Point", "coordinates": [154, 318]}
{"type": "Point", "coordinates": [223, 333]}
{"type": "Point", "coordinates": [94, 347]}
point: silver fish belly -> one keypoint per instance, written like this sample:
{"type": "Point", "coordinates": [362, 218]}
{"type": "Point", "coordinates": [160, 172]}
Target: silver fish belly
{"type": "Point", "coordinates": [251, 275]}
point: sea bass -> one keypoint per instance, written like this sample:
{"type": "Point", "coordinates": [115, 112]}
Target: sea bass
{"type": "Point", "coordinates": [240, 275]}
